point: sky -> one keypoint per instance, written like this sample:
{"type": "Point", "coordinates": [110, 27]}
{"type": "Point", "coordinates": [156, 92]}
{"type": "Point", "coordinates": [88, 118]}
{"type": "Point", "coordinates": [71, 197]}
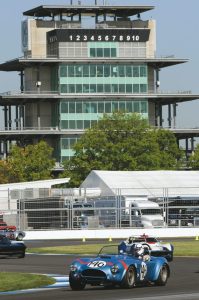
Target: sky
{"type": "Point", "coordinates": [177, 34]}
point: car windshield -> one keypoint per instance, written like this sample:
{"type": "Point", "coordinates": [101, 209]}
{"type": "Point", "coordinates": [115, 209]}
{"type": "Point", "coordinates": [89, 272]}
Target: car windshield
{"type": "Point", "coordinates": [108, 250]}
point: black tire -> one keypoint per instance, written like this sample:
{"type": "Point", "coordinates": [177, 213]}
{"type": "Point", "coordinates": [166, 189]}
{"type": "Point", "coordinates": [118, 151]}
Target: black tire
{"type": "Point", "coordinates": [19, 237]}
{"type": "Point", "coordinates": [21, 255]}
{"type": "Point", "coordinates": [163, 275]}
{"type": "Point", "coordinates": [76, 284]}
{"type": "Point", "coordinates": [146, 246]}
{"type": "Point", "coordinates": [128, 281]}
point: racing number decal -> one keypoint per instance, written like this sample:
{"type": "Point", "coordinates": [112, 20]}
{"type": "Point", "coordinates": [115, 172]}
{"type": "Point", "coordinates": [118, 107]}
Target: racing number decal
{"type": "Point", "coordinates": [97, 264]}
{"type": "Point", "coordinates": [143, 270]}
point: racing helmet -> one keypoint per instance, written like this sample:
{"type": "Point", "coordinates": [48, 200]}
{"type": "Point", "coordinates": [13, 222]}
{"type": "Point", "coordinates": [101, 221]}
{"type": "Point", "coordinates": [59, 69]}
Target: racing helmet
{"type": "Point", "coordinates": [138, 249]}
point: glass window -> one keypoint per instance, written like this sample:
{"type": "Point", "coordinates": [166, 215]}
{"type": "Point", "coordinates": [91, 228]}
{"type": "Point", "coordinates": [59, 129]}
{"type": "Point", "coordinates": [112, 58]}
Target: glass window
{"type": "Point", "coordinates": [92, 71]}
{"type": "Point", "coordinates": [93, 122]}
{"type": "Point", "coordinates": [143, 88]}
{"type": "Point", "coordinates": [78, 88]}
{"type": "Point", "coordinates": [115, 88]}
{"type": "Point", "coordinates": [70, 71]}
{"type": "Point", "coordinates": [143, 71]}
{"type": "Point", "coordinates": [99, 71]}
{"type": "Point", "coordinates": [128, 71]}
{"type": "Point", "coordinates": [86, 124]}
{"type": "Point", "coordinates": [121, 88]}
{"type": "Point", "coordinates": [122, 106]}
{"type": "Point", "coordinates": [72, 142]}
{"type": "Point", "coordinates": [143, 107]}
{"type": "Point", "coordinates": [106, 70]}
{"type": "Point", "coordinates": [100, 88]}
{"type": "Point", "coordinates": [114, 106]}
{"type": "Point", "coordinates": [136, 106]}
{"type": "Point", "coordinates": [85, 70]}
{"type": "Point", "coordinates": [136, 71]}
{"type": "Point", "coordinates": [136, 88]}
{"type": "Point", "coordinates": [71, 107]}
{"type": "Point", "coordinates": [107, 52]}
{"type": "Point", "coordinates": [64, 88]}
{"type": "Point", "coordinates": [113, 52]}
{"type": "Point", "coordinates": [114, 71]}
{"type": "Point", "coordinates": [129, 107]}
{"type": "Point", "coordinates": [86, 107]}
{"type": "Point", "coordinates": [64, 144]}
{"type": "Point", "coordinates": [100, 107]}
{"type": "Point", "coordinates": [129, 88]}
{"type": "Point", "coordinates": [64, 124]}
{"type": "Point", "coordinates": [79, 124]}
{"type": "Point", "coordinates": [99, 52]}
{"type": "Point", "coordinates": [93, 107]}
{"type": "Point", "coordinates": [92, 52]}
{"type": "Point", "coordinates": [78, 70]}
{"type": "Point", "coordinates": [72, 124]}
{"type": "Point", "coordinates": [85, 88]}
{"type": "Point", "coordinates": [92, 88]}
{"type": "Point", "coordinates": [63, 71]}
{"type": "Point", "coordinates": [79, 107]}
{"type": "Point", "coordinates": [121, 71]}
{"type": "Point", "coordinates": [64, 107]}
{"type": "Point", "coordinates": [71, 88]}
{"type": "Point", "coordinates": [108, 107]}
{"type": "Point", "coordinates": [107, 88]}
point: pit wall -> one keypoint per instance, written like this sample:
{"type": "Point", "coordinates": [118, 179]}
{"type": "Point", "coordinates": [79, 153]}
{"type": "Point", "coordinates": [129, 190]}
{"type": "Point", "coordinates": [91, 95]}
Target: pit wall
{"type": "Point", "coordinates": [111, 234]}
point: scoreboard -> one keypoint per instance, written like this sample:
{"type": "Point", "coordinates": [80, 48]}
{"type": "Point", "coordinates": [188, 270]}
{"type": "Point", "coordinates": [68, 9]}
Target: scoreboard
{"type": "Point", "coordinates": [98, 35]}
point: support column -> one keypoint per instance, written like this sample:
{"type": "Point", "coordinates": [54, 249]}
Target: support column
{"type": "Point", "coordinates": [9, 117]}
{"type": "Point", "coordinates": [17, 116]}
{"type": "Point", "coordinates": [5, 117]}
{"type": "Point", "coordinates": [192, 144]}
{"type": "Point", "coordinates": [186, 147]}
{"type": "Point", "coordinates": [21, 116]}
{"type": "Point", "coordinates": [38, 116]}
{"type": "Point", "coordinates": [174, 114]}
{"type": "Point", "coordinates": [160, 114]}
{"type": "Point", "coordinates": [21, 74]}
{"type": "Point", "coordinates": [169, 115]}
{"type": "Point", "coordinates": [157, 80]}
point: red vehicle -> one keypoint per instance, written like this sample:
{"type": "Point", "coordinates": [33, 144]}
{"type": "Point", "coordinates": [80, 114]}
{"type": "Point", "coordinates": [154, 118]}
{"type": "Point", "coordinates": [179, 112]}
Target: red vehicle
{"type": "Point", "coordinates": [4, 226]}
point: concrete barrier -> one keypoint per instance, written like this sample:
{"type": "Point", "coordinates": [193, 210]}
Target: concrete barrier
{"type": "Point", "coordinates": [111, 233]}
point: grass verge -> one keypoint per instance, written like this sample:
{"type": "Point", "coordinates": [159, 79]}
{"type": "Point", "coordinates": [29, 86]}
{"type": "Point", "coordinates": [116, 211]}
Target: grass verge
{"type": "Point", "coordinates": [182, 248]}
{"type": "Point", "coordinates": [20, 281]}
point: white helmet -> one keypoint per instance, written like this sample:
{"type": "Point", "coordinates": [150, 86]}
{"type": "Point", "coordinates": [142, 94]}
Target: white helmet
{"type": "Point", "coordinates": [139, 249]}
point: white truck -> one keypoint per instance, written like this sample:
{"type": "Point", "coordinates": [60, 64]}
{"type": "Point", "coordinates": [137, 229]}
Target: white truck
{"type": "Point", "coordinates": [145, 213]}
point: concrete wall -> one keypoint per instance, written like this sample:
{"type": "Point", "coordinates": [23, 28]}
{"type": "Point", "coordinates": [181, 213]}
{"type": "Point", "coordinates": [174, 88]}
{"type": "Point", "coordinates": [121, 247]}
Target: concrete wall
{"type": "Point", "coordinates": [111, 233]}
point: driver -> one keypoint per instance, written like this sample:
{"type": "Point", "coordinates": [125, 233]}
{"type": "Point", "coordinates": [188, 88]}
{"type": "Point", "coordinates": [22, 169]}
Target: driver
{"type": "Point", "coordinates": [139, 252]}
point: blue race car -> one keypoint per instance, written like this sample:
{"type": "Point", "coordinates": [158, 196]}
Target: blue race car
{"type": "Point", "coordinates": [114, 267]}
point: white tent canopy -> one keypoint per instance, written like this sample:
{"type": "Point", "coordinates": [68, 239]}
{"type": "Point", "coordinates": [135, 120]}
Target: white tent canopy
{"type": "Point", "coordinates": [33, 184]}
{"type": "Point", "coordinates": [150, 183]}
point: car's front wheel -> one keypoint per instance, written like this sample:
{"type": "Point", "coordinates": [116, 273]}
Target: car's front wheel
{"type": "Point", "coordinates": [76, 284]}
{"type": "Point", "coordinates": [163, 275]}
{"type": "Point", "coordinates": [128, 281]}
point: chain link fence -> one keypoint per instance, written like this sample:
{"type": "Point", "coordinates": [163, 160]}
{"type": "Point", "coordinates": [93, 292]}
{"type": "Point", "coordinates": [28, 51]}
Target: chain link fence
{"type": "Point", "coordinates": [59, 209]}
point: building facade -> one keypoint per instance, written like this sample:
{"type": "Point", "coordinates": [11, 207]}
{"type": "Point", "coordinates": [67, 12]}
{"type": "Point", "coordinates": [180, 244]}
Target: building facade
{"type": "Point", "coordinates": [74, 70]}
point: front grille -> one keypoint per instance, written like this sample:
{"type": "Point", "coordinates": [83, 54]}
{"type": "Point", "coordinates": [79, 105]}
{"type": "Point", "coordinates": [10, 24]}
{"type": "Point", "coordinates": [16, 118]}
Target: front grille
{"type": "Point", "coordinates": [94, 273]}
{"type": "Point", "coordinates": [157, 223]}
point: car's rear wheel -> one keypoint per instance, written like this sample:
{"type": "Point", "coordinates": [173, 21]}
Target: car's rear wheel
{"type": "Point", "coordinates": [76, 284]}
{"type": "Point", "coordinates": [163, 275]}
{"type": "Point", "coordinates": [21, 255]}
{"type": "Point", "coordinates": [128, 281]}
{"type": "Point", "coordinates": [19, 237]}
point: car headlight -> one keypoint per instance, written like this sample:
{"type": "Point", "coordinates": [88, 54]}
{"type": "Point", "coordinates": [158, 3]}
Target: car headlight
{"type": "Point", "coordinates": [73, 268]}
{"type": "Point", "coordinates": [114, 269]}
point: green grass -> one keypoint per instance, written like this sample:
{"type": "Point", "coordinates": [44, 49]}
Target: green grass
{"type": "Point", "coordinates": [19, 281]}
{"type": "Point", "coordinates": [182, 248]}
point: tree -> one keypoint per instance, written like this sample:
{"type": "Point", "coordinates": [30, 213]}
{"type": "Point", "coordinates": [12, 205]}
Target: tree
{"type": "Point", "coordinates": [194, 159]}
{"type": "Point", "coordinates": [33, 162]}
{"type": "Point", "coordinates": [4, 172]}
{"type": "Point", "coordinates": [121, 142]}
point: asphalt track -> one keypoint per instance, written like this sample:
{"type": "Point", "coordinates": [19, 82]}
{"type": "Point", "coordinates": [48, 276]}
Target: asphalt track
{"type": "Point", "coordinates": [183, 283]}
